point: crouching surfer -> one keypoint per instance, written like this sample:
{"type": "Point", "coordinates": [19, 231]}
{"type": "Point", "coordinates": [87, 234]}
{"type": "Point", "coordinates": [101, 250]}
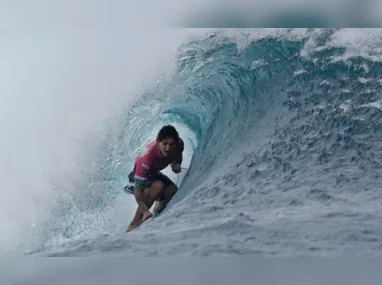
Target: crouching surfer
{"type": "Point", "coordinates": [150, 184]}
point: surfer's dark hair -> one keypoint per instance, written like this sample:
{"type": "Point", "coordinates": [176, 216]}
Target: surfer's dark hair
{"type": "Point", "coordinates": [167, 131]}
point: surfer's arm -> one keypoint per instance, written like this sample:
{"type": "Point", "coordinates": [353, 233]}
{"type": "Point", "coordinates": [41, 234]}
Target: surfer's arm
{"type": "Point", "coordinates": [176, 168]}
{"type": "Point", "coordinates": [179, 159]}
{"type": "Point", "coordinates": [176, 165]}
{"type": "Point", "coordinates": [142, 171]}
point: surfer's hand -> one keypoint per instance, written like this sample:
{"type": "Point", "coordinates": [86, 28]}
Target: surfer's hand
{"type": "Point", "coordinates": [176, 168]}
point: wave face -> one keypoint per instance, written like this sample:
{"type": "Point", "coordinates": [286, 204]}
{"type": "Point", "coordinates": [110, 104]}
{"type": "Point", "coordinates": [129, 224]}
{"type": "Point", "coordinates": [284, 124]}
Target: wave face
{"type": "Point", "coordinates": [283, 133]}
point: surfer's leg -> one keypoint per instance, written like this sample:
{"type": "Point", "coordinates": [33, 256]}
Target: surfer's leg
{"type": "Point", "coordinates": [168, 192]}
{"type": "Point", "coordinates": [151, 195]}
{"type": "Point", "coordinates": [161, 204]}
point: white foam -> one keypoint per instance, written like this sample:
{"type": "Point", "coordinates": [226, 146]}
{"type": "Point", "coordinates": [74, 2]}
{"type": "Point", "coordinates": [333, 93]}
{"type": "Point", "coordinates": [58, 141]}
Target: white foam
{"type": "Point", "coordinates": [364, 43]}
{"type": "Point", "coordinates": [62, 81]}
{"type": "Point", "coordinates": [346, 106]}
{"type": "Point", "coordinates": [375, 104]}
{"type": "Point", "coordinates": [298, 72]}
{"type": "Point", "coordinates": [364, 80]}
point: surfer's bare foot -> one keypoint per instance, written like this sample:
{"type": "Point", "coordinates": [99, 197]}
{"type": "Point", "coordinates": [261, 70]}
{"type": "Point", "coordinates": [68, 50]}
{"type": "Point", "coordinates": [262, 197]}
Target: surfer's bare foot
{"type": "Point", "coordinates": [131, 228]}
{"type": "Point", "coordinates": [146, 215]}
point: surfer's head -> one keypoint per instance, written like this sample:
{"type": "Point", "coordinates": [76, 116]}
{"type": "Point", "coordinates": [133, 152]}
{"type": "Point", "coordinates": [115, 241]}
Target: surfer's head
{"type": "Point", "coordinates": [167, 139]}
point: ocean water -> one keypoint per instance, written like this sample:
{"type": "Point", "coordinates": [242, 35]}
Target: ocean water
{"type": "Point", "coordinates": [283, 134]}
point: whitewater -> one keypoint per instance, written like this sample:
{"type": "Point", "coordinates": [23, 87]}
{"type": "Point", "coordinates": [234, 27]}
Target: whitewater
{"type": "Point", "coordinates": [282, 133]}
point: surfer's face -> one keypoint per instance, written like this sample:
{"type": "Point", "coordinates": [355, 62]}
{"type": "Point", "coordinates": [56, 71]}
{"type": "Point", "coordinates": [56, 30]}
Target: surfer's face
{"type": "Point", "coordinates": [167, 146]}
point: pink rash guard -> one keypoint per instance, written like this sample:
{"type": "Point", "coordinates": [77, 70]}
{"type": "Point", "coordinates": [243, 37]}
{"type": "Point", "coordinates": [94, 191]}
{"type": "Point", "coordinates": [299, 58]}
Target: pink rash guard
{"type": "Point", "coordinates": [152, 161]}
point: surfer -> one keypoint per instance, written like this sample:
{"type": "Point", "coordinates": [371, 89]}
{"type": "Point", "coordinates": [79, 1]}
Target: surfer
{"type": "Point", "coordinates": [149, 183]}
